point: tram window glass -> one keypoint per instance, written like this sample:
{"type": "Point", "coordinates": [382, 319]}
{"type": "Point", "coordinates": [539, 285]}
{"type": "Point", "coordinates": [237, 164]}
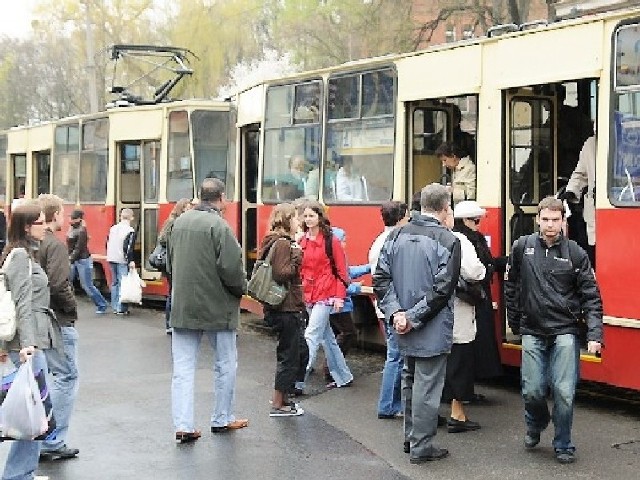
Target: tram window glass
{"type": "Point", "coordinates": [93, 161]}
{"type": "Point", "coordinates": [230, 181]}
{"type": "Point", "coordinates": [358, 164]}
{"type": "Point", "coordinates": [530, 150]}
{"type": "Point", "coordinates": [19, 175]}
{"type": "Point", "coordinates": [179, 171]}
{"type": "Point", "coordinates": [292, 143]}
{"type": "Point", "coordinates": [210, 144]}
{"type": "Point", "coordinates": [130, 154]}
{"type": "Point", "coordinates": [150, 234]}
{"type": "Point", "coordinates": [3, 168]}
{"type": "Point", "coordinates": [151, 162]}
{"type": "Point", "coordinates": [430, 129]}
{"type": "Point", "coordinates": [66, 162]}
{"type": "Point", "coordinates": [627, 66]}
{"type": "Point", "coordinates": [42, 171]}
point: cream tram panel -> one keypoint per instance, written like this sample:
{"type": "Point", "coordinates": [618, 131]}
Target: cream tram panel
{"type": "Point", "coordinates": [441, 73]}
{"type": "Point", "coordinates": [533, 59]}
{"type": "Point", "coordinates": [135, 125]}
{"type": "Point", "coordinates": [488, 150]}
{"type": "Point", "coordinates": [30, 139]}
{"type": "Point", "coordinates": [251, 105]}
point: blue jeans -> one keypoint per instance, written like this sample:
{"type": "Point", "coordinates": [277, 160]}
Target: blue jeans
{"type": "Point", "coordinates": [84, 267]}
{"type": "Point", "coordinates": [23, 457]}
{"type": "Point", "coordinates": [118, 270]}
{"type": "Point", "coordinates": [318, 333]}
{"type": "Point", "coordinates": [550, 362]}
{"type": "Point", "coordinates": [185, 344]}
{"type": "Point", "coordinates": [167, 310]}
{"type": "Point", "coordinates": [64, 388]}
{"type": "Point", "coordinates": [390, 399]}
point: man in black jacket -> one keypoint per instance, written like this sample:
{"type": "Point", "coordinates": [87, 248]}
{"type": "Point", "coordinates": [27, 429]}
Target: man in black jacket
{"type": "Point", "coordinates": [549, 288]}
{"type": "Point", "coordinates": [53, 257]}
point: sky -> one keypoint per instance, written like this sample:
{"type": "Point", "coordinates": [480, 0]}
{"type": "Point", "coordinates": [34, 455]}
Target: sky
{"type": "Point", "coordinates": [15, 17]}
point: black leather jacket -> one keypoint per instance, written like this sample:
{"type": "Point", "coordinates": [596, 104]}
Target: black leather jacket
{"type": "Point", "coordinates": [549, 289]}
{"type": "Point", "coordinates": [77, 243]}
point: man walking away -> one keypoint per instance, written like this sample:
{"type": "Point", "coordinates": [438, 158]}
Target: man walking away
{"type": "Point", "coordinates": [549, 288]}
{"type": "Point", "coordinates": [63, 365]}
{"type": "Point", "coordinates": [414, 282]}
{"type": "Point", "coordinates": [81, 262]}
{"type": "Point", "coordinates": [122, 239]}
{"type": "Point", "coordinates": [205, 263]}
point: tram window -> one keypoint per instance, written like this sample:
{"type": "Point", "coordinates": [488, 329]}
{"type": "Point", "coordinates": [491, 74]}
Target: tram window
{"type": "Point", "coordinates": [42, 171]}
{"type": "Point", "coordinates": [531, 151]}
{"type": "Point", "coordinates": [307, 103]}
{"type": "Point", "coordinates": [3, 168]}
{"type": "Point", "coordinates": [93, 161]}
{"type": "Point", "coordinates": [130, 154]}
{"type": "Point", "coordinates": [377, 93]}
{"type": "Point", "coordinates": [430, 130]}
{"type": "Point", "coordinates": [151, 161]}
{"type": "Point", "coordinates": [66, 165]}
{"type": "Point", "coordinates": [279, 104]}
{"type": "Point", "coordinates": [19, 175]}
{"type": "Point", "coordinates": [627, 56]}
{"type": "Point", "coordinates": [624, 183]}
{"type": "Point", "coordinates": [210, 144]}
{"type": "Point", "coordinates": [150, 234]}
{"type": "Point", "coordinates": [179, 171]}
{"type": "Point", "coordinates": [344, 95]}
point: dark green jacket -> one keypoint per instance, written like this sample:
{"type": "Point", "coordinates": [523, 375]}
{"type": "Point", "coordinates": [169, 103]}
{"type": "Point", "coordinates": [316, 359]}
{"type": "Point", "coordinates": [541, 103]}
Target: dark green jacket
{"type": "Point", "coordinates": [208, 278]}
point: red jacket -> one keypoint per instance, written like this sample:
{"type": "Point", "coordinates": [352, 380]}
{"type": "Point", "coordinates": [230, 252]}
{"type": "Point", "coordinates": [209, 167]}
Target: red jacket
{"type": "Point", "coordinates": [318, 281]}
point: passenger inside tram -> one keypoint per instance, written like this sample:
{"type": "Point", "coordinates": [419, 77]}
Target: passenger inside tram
{"type": "Point", "coordinates": [350, 185]}
{"type": "Point", "coordinates": [292, 184]}
{"type": "Point", "coordinates": [461, 172]}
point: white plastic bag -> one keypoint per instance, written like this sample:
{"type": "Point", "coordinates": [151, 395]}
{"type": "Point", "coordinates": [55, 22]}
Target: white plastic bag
{"type": "Point", "coordinates": [131, 288]}
{"type": "Point", "coordinates": [22, 414]}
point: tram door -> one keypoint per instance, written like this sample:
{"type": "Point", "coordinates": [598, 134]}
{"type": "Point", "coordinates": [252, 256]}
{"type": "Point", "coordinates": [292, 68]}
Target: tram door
{"type": "Point", "coordinates": [531, 159]}
{"type": "Point", "coordinates": [19, 175]}
{"type": "Point", "coordinates": [248, 228]}
{"type": "Point", "coordinates": [429, 125]}
{"type": "Point", "coordinates": [41, 172]}
{"type": "Point", "coordinates": [138, 189]}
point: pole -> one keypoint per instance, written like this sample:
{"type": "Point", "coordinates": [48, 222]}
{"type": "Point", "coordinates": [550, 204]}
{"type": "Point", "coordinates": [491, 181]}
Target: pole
{"type": "Point", "coordinates": [91, 63]}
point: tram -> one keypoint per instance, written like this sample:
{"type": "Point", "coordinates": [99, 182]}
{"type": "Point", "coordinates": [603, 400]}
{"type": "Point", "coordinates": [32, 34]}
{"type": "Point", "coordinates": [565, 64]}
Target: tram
{"type": "Point", "coordinates": [527, 96]}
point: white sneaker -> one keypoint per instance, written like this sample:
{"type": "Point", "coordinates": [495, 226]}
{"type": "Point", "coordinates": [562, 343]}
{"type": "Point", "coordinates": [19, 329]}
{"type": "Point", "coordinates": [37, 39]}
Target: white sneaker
{"type": "Point", "coordinates": [287, 411]}
{"type": "Point", "coordinates": [40, 477]}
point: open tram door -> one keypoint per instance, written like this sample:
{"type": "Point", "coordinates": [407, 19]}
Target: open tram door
{"type": "Point", "coordinates": [430, 123]}
{"type": "Point", "coordinates": [248, 215]}
{"type": "Point", "coordinates": [137, 188]}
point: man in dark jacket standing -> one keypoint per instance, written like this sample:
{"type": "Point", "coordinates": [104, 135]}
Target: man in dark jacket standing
{"type": "Point", "coordinates": [417, 272]}
{"type": "Point", "coordinates": [549, 288]}
{"type": "Point", "coordinates": [204, 260]}
{"type": "Point", "coordinates": [63, 365]}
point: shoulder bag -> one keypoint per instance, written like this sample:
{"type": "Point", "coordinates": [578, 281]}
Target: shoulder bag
{"type": "Point", "coordinates": [262, 286]}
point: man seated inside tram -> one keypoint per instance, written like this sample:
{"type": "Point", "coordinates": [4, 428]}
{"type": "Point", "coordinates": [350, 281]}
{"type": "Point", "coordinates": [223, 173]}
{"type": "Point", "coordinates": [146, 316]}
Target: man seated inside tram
{"type": "Point", "coordinates": [461, 172]}
{"type": "Point", "coordinates": [350, 185]}
{"type": "Point", "coordinates": [292, 184]}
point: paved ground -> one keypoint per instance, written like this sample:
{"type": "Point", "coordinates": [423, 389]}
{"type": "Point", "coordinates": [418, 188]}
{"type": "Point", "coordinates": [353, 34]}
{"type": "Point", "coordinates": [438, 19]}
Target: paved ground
{"type": "Point", "coordinates": [122, 422]}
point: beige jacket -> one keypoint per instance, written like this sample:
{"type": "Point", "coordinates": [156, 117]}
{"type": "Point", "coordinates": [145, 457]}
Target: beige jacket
{"type": "Point", "coordinates": [464, 181]}
{"type": "Point", "coordinates": [584, 175]}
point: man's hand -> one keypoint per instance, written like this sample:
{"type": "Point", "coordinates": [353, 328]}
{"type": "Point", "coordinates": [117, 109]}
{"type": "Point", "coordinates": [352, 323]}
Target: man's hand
{"type": "Point", "coordinates": [26, 352]}
{"type": "Point", "coordinates": [400, 322]}
{"type": "Point", "coordinates": [132, 265]}
{"type": "Point", "coordinates": [594, 347]}
{"type": "Point", "coordinates": [338, 305]}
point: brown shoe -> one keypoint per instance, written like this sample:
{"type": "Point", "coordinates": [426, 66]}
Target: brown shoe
{"type": "Point", "coordinates": [235, 425]}
{"type": "Point", "coordinates": [188, 437]}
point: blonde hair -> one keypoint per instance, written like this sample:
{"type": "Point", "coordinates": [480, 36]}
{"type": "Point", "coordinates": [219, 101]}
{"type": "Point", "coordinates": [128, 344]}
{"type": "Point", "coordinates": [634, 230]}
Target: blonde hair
{"type": "Point", "coordinates": [50, 205]}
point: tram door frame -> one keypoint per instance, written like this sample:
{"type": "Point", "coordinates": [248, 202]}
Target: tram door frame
{"type": "Point", "coordinates": [250, 136]}
{"type": "Point", "coordinates": [145, 209]}
{"type": "Point", "coordinates": [415, 179]}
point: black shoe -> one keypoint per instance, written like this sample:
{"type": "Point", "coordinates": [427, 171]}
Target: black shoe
{"type": "Point", "coordinates": [531, 439]}
{"type": "Point", "coordinates": [407, 447]}
{"type": "Point", "coordinates": [389, 416]}
{"type": "Point", "coordinates": [298, 392]}
{"type": "Point", "coordinates": [63, 453]}
{"type": "Point", "coordinates": [565, 456]}
{"type": "Point", "coordinates": [442, 421]}
{"type": "Point", "coordinates": [457, 426]}
{"type": "Point", "coordinates": [436, 454]}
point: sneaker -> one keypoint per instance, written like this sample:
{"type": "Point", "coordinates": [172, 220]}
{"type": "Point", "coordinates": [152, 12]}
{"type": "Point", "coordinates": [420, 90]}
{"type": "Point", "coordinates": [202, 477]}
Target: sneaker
{"type": "Point", "coordinates": [565, 456]}
{"type": "Point", "coordinates": [287, 411]}
{"type": "Point", "coordinates": [62, 453]}
{"type": "Point", "coordinates": [332, 385]}
{"type": "Point", "coordinates": [101, 311]}
{"type": "Point", "coordinates": [531, 439]}
{"type": "Point", "coordinates": [123, 313]}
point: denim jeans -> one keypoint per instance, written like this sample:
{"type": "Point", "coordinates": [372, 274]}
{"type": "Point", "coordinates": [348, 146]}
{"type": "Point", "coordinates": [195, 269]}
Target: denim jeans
{"type": "Point", "coordinates": [550, 362]}
{"type": "Point", "coordinates": [118, 270]}
{"type": "Point", "coordinates": [319, 332]}
{"type": "Point", "coordinates": [84, 267]}
{"type": "Point", "coordinates": [64, 388]}
{"type": "Point", "coordinates": [167, 310]}
{"type": "Point", "coordinates": [185, 344]}
{"type": "Point", "coordinates": [390, 399]}
{"type": "Point", "coordinates": [23, 456]}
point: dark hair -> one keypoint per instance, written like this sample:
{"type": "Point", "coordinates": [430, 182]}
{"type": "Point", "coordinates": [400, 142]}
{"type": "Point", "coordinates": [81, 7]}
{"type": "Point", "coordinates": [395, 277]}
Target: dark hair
{"type": "Point", "coordinates": [178, 209]}
{"type": "Point", "coordinates": [449, 149]}
{"type": "Point", "coordinates": [211, 190]}
{"type": "Point", "coordinates": [415, 201]}
{"type": "Point", "coordinates": [280, 219]}
{"type": "Point", "coordinates": [551, 203]}
{"type": "Point", "coordinates": [22, 217]}
{"type": "Point", "coordinates": [392, 212]}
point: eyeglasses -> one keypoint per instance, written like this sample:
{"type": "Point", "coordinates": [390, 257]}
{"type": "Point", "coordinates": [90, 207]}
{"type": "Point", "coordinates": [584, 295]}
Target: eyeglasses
{"type": "Point", "coordinates": [475, 220]}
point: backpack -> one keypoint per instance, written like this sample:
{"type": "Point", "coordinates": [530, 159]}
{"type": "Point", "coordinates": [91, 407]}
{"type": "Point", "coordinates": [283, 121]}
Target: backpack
{"type": "Point", "coordinates": [7, 305]}
{"type": "Point", "coordinates": [262, 286]}
{"type": "Point", "coordinates": [158, 258]}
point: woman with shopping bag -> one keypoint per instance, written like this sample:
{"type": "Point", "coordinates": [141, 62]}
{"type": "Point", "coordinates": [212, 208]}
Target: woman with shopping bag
{"type": "Point", "coordinates": [35, 328]}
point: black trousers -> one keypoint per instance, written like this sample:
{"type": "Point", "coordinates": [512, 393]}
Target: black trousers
{"type": "Point", "coordinates": [287, 326]}
{"type": "Point", "coordinates": [344, 330]}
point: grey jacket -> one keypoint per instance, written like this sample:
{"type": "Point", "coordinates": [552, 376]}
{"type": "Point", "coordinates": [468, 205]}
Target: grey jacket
{"type": "Point", "coordinates": [36, 323]}
{"type": "Point", "coordinates": [417, 273]}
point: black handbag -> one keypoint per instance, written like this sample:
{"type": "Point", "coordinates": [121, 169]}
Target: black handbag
{"type": "Point", "coordinates": [470, 292]}
{"type": "Point", "coordinates": [158, 258]}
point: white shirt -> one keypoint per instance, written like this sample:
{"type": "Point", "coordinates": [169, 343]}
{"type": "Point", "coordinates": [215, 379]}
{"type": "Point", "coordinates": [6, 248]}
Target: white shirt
{"type": "Point", "coordinates": [350, 186]}
{"type": "Point", "coordinates": [464, 314]}
{"type": "Point", "coordinates": [115, 243]}
{"type": "Point", "coordinates": [374, 254]}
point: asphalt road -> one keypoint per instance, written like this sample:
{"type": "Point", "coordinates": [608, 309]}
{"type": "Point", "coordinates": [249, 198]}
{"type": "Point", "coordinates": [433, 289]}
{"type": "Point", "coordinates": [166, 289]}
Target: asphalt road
{"type": "Point", "coordinates": [122, 421]}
